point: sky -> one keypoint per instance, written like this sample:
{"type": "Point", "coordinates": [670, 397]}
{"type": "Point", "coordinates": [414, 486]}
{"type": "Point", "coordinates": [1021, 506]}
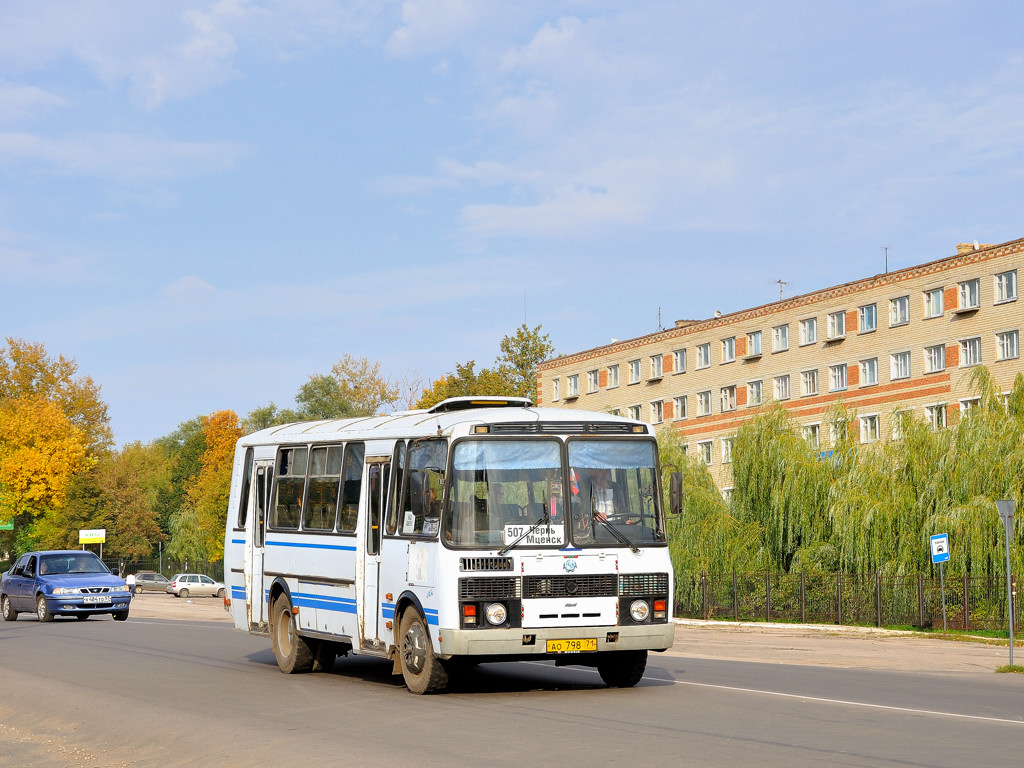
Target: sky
{"type": "Point", "coordinates": [205, 203]}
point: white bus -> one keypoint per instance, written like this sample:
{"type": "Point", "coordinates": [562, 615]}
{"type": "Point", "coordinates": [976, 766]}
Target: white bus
{"type": "Point", "coordinates": [482, 529]}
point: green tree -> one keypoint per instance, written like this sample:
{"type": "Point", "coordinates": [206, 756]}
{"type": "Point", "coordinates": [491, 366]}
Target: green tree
{"type": "Point", "coordinates": [520, 354]}
{"type": "Point", "coordinates": [466, 381]}
{"type": "Point", "coordinates": [132, 481]}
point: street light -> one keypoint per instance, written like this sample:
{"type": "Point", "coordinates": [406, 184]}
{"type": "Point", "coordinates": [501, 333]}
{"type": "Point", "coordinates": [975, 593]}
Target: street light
{"type": "Point", "coordinates": [1005, 509]}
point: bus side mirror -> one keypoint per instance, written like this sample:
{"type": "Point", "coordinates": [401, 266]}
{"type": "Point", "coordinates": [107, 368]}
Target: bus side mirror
{"type": "Point", "coordinates": [675, 493]}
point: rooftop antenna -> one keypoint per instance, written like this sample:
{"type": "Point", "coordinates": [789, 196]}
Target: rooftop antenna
{"type": "Point", "coordinates": [660, 326]}
{"type": "Point", "coordinates": [885, 249]}
{"type": "Point", "coordinates": [781, 283]}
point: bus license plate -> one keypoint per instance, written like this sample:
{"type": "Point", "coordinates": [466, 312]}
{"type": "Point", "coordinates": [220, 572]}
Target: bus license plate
{"type": "Point", "coordinates": [579, 645]}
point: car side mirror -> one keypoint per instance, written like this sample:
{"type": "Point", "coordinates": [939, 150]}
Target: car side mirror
{"type": "Point", "coordinates": [675, 493]}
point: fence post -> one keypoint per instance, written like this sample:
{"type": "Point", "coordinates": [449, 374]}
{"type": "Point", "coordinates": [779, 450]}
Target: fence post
{"type": "Point", "coordinates": [735, 597]}
{"type": "Point", "coordinates": [803, 599]}
{"type": "Point", "coordinates": [920, 601]}
{"type": "Point", "coordinates": [878, 598]}
{"type": "Point", "coordinates": [967, 602]}
{"type": "Point", "coordinates": [839, 598]}
{"type": "Point", "coordinates": [768, 596]}
{"type": "Point", "coordinates": [703, 596]}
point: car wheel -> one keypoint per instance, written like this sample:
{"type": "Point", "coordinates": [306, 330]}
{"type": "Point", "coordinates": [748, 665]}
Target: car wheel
{"type": "Point", "coordinates": [138, 589]}
{"type": "Point", "coordinates": [292, 651]}
{"type": "Point", "coordinates": [421, 669]}
{"type": "Point", "coordinates": [120, 615]}
{"type": "Point", "coordinates": [622, 669]}
{"type": "Point", "coordinates": [220, 593]}
{"type": "Point", "coordinates": [42, 609]}
{"type": "Point", "coordinates": [8, 610]}
{"type": "Point", "coordinates": [183, 593]}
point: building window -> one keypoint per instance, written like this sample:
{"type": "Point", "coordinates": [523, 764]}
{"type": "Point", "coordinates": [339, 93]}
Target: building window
{"type": "Point", "coordinates": [838, 431]}
{"type": "Point", "coordinates": [656, 366]}
{"type": "Point", "coordinates": [935, 358]}
{"type": "Point", "coordinates": [727, 450]}
{"type": "Point", "coordinates": [837, 377]}
{"type": "Point", "coordinates": [729, 349]}
{"type": "Point", "coordinates": [657, 411]}
{"type": "Point", "coordinates": [869, 428]}
{"type": "Point", "coordinates": [935, 415]}
{"type": "Point", "coordinates": [780, 338]}
{"type": "Point", "coordinates": [753, 343]}
{"type": "Point", "coordinates": [554, 389]}
{"type": "Point", "coordinates": [969, 404]}
{"type": "Point", "coordinates": [613, 376]}
{"type": "Point", "coordinates": [969, 294]}
{"type": "Point", "coordinates": [572, 386]}
{"type": "Point", "coordinates": [615, 412]}
{"type": "Point", "coordinates": [809, 382]}
{"type": "Point", "coordinates": [782, 387]}
{"type": "Point", "coordinates": [899, 421]}
{"type": "Point", "coordinates": [633, 412]}
{"type": "Point", "coordinates": [899, 365]}
{"type": "Point", "coordinates": [899, 311]}
{"type": "Point", "coordinates": [703, 355]}
{"type": "Point", "coordinates": [592, 381]}
{"type": "Point", "coordinates": [729, 398]}
{"type": "Point", "coordinates": [812, 434]}
{"type": "Point", "coordinates": [704, 403]}
{"type": "Point", "coordinates": [1007, 345]}
{"type": "Point", "coordinates": [869, 372]}
{"type": "Point", "coordinates": [809, 330]}
{"type": "Point", "coordinates": [837, 325]}
{"type": "Point", "coordinates": [755, 392]}
{"type": "Point", "coordinates": [679, 361]}
{"type": "Point", "coordinates": [933, 304]}
{"type": "Point", "coordinates": [867, 318]}
{"type": "Point", "coordinates": [1006, 286]}
{"type": "Point", "coordinates": [970, 351]}
{"type": "Point", "coordinates": [634, 371]}
{"type": "Point", "coordinates": [704, 447]}
{"type": "Point", "coordinates": [680, 407]}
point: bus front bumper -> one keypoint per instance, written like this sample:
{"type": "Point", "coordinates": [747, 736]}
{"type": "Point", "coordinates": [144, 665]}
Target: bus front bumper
{"type": "Point", "coordinates": [533, 641]}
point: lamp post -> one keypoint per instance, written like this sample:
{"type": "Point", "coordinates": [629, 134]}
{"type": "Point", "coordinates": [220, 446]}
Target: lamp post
{"type": "Point", "coordinates": [1005, 509]}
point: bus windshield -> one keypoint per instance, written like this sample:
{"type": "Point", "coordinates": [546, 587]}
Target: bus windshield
{"type": "Point", "coordinates": [509, 492]}
{"type": "Point", "coordinates": [500, 489]}
{"type": "Point", "coordinates": [613, 492]}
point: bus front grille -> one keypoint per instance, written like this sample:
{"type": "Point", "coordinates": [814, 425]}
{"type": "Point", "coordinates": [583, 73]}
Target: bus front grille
{"type": "Point", "coordinates": [570, 586]}
{"type": "Point", "coordinates": [485, 564]}
{"type": "Point", "coordinates": [639, 584]}
{"type": "Point", "coordinates": [501, 588]}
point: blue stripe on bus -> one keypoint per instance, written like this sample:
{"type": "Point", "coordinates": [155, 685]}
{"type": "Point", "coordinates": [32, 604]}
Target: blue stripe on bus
{"type": "Point", "coordinates": [238, 593]}
{"type": "Point", "coordinates": [302, 545]}
{"type": "Point", "coordinates": [324, 603]}
{"type": "Point", "coordinates": [238, 541]}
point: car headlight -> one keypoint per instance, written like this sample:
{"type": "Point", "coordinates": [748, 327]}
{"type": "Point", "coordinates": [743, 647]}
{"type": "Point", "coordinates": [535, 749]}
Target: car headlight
{"type": "Point", "coordinates": [496, 614]}
{"type": "Point", "coordinates": [122, 588]}
{"type": "Point", "coordinates": [639, 610]}
{"type": "Point", "coordinates": [66, 591]}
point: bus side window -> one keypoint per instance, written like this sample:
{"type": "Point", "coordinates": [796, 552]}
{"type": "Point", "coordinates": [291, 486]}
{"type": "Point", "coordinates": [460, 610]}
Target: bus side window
{"type": "Point", "coordinates": [261, 506]}
{"type": "Point", "coordinates": [243, 502]}
{"type": "Point", "coordinates": [322, 495]}
{"type": "Point", "coordinates": [421, 499]}
{"type": "Point", "coordinates": [396, 489]}
{"type": "Point", "coordinates": [291, 485]}
{"type": "Point", "coordinates": [378, 493]}
{"type": "Point", "coordinates": [351, 486]}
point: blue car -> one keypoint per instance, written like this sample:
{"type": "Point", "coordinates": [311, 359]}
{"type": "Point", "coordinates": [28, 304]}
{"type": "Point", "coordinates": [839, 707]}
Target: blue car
{"type": "Point", "coordinates": [62, 583]}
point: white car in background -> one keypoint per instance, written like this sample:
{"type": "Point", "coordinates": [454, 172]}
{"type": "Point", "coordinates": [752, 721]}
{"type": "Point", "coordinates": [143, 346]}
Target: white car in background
{"type": "Point", "coordinates": [192, 584]}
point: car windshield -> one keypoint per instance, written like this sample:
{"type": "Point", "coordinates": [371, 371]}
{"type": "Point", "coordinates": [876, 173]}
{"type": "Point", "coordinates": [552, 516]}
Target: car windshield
{"type": "Point", "coordinates": [500, 489]}
{"type": "Point", "coordinates": [613, 492]}
{"type": "Point", "coordinates": [85, 562]}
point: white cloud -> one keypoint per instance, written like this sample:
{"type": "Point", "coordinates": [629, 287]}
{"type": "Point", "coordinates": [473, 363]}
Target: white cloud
{"type": "Point", "coordinates": [23, 263]}
{"type": "Point", "coordinates": [188, 289]}
{"type": "Point", "coordinates": [431, 25]}
{"type": "Point", "coordinates": [19, 102]}
{"type": "Point", "coordinates": [121, 156]}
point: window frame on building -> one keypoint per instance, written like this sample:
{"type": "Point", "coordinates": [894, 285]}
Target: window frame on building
{"type": "Point", "coordinates": [728, 350]}
{"type": "Point", "coordinates": [726, 448]}
{"type": "Point", "coordinates": [780, 338]}
{"type": "Point", "coordinates": [1007, 345]}
{"type": "Point", "coordinates": [899, 311]}
{"type": "Point", "coordinates": [934, 304]}
{"type": "Point", "coordinates": [1004, 290]}
{"type": "Point", "coordinates": [703, 356]}
{"type": "Point", "coordinates": [806, 376]}
{"type": "Point", "coordinates": [808, 331]}
{"type": "Point", "coordinates": [704, 403]}
{"type": "Point", "coordinates": [613, 376]}
{"type": "Point", "coordinates": [838, 377]}
{"type": "Point", "coordinates": [968, 294]}
{"type": "Point", "coordinates": [812, 430]}
{"type": "Point", "coordinates": [970, 351]}
{"type": "Point", "coordinates": [867, 318]}
{"type": "Point", "coordinates": [655, 367]}
{"type": "Point", "coordinates": [727, 396]}
{"type": "Point", "coordinates": [869, 372]}
{"type": "Point", "coordinates": [836, 325]}
{"type": "Point", "coordinates": [935, 358]}
{"type": "Point", "coordinates": [593, 381]}
{"type": "Point", "coordinates": [706, 448]}
{"type": "Point", "coordinates": [572, 386]}
{"type": "Point", "coordinates": [657, 411]}
{"type": "Point", "coordinates": [869, 428]}
{"type": "Point", "coordinates": [781, 387]}
{"type": "Point", "coordinates": [679, 407]}
{"type": "Point", "coordinates": [755, 392]}
{"type": "Point", "coordinates": [555, 386]}
{"type": "Point", "coordinates": [679, 360]}
{"type": "Point", "coordinates": [635, 371]}
{"type": "Point", "coordinates": [900, 365]}
{"type": "Point", "coordinates": [937, 415]}
{"type": "Point", "coordinates": [754, 344]}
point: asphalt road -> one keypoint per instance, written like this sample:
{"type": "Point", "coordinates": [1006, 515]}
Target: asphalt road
{"type": "Point", "coordinates": [193, 691]}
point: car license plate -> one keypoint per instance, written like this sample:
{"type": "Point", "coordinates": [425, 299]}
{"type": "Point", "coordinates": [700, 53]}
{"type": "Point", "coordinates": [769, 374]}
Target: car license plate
{"type": "Point", "coordinates": [579, 645]}
{"type": "Point", "coordinates": [90, 599]}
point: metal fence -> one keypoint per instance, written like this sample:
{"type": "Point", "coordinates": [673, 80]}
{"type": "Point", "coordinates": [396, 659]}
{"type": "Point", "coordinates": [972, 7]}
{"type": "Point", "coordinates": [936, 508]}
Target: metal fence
{"type": "Point", "coordinates": [972, 602]}
{"type": "Point", "coordinates": [167, 567]}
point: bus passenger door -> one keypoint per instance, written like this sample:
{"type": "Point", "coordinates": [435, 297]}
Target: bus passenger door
{"type": "Point", "coordinates": [255, 592]}
{"type": "Point", "coordinates": [378, 472]}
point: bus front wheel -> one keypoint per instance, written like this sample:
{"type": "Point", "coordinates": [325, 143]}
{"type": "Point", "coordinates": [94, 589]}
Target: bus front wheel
{"type": "Point", "coordinates": [291, 650]}
{"type": "Point", "coordinates": [422, 670]}
{"type": "Point", "coordinates": [622, 669]}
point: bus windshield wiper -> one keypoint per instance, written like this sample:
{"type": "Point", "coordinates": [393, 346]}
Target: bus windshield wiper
{"type": "Point", "coordinates": [545, 518]}
{"type": "Point", "coordinates": [623, 538]}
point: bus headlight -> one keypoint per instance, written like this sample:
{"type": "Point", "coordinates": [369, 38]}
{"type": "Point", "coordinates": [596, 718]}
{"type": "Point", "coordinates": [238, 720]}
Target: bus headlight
{"type": "Point", "coordinates": [639, 610]}
{"type": "Point", "coordinates": [496, 614]}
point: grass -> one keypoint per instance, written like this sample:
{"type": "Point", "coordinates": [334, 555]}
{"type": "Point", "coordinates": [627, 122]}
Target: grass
{"type": "Point", "coordinates": [1016, 669]}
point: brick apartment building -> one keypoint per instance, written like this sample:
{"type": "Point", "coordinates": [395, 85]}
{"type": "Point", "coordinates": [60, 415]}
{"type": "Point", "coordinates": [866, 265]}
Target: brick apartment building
{"type": "Point", "coordinates": [902, 340]}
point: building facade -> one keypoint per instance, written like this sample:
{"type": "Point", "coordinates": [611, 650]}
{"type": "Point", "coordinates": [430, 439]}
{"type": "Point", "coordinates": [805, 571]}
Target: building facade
{"type": "Point", "coordinates": [904, 340]}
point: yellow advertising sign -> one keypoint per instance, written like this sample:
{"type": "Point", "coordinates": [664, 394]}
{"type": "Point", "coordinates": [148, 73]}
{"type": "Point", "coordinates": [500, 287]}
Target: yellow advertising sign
{"type": "Point", "coordinates": [92, 536]}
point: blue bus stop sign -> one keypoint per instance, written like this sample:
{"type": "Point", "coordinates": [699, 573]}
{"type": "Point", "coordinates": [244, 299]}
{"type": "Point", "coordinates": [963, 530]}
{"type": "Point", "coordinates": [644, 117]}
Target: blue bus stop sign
{"type": "Point", "coordinates": [940, 548]}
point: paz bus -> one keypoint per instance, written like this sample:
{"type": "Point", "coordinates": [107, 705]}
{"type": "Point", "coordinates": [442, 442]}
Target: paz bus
{"type": "Point", "coordinates": [479, 530]}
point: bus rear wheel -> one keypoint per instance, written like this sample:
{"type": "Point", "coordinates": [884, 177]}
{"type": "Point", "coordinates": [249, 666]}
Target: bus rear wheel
{"type": "Point", "coordinates": [291, 650]}
{"type": "Point", "coordinates": [421, 669]}
{"type": "Point", "coordinates": [622, 669]}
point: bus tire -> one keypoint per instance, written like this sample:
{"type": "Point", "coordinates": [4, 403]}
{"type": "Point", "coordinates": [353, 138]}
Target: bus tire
{"type": "Point", "coordinates": [622, 669]}
{"type": "Point", "coordinates": [421, 669]}
{"type": "Point", "coordinates": [291, 650]}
